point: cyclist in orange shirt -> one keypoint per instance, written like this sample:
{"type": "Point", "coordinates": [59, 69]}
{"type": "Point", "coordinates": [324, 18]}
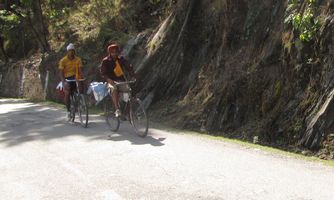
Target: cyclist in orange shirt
{"type": "Point", "coordinates": [70, 69]}
{"type": "Point", "coordinates": [112, 70]}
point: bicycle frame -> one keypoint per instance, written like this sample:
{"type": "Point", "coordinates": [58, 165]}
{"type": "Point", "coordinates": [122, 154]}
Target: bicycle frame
{"type": "Point", "coordinates": [131, 109]}
{"type": "Point", "coordinates": [78, 104]}
{"type": "Point", "coordinates": [125, 95]}
{"type": "Point", "coordinates": [77, 84]}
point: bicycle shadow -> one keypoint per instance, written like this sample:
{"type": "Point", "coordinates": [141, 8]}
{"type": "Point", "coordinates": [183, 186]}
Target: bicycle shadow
{"type": "Point", "coordinates": [126, 133]}
{"type": "Point", "coordinates": [136, 140]}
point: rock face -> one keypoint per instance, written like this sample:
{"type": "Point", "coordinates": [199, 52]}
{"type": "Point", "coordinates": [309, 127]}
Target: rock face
{"type": "Point", "coordinates": [23, 79]}
{"type": "Point", "coordinates": [240, 68]}
{"type": "Point", "coordinates": [10, 80]}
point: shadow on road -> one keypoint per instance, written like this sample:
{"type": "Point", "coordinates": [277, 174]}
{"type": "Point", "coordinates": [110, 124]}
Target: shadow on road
{"type": "Point", "coordinates": [22, 122]}
{"type": "Point", "coordinates": [134, 139]}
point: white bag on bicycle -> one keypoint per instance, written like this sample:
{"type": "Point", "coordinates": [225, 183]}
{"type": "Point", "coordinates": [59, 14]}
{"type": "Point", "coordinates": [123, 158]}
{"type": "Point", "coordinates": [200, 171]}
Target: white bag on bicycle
{"type": "Point", "coordinates": [99, 90]}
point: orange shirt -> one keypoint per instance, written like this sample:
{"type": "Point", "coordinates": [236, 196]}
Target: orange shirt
{"type": "Point", "coordinates": [118, 70]}
{"type": "Point", "coordinates": [70, 67]}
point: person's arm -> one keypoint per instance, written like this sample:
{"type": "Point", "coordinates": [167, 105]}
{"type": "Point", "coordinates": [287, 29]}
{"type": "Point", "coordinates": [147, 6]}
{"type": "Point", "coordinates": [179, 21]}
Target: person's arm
{"type": "Point", "coordinates": [104, 74]}
{"type": "Point", "coordinates": [61, 71]}
{"type": "Point", "coordinates": [61, 75]}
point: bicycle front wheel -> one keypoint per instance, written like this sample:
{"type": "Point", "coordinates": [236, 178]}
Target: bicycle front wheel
{"type": "Point", "coordinates": [83, 110]}
{"type": "Point", "coordinates": [109, 113]}
{"type": "Point", "coordinates": [138, 118]}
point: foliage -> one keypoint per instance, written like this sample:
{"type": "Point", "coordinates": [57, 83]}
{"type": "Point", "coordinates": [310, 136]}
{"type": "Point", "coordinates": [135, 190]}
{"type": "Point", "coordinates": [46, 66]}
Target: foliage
{"type": "Point", "coordinates": [26, 19]}
{"type": "Point", "coordinates": [77, 20]}
{"type": "Point", "coordinates": [8, 20]}
{"type": "Point", "coordinates": [155, 1]}
{"type": "Point", "coordinates": [11, 30]}
{"type": "Point", "coordinates": [305, 23]}
{"type": "Point", "coordinates": [56, 9]}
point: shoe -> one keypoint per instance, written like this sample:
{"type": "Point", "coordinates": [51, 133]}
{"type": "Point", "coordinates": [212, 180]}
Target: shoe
{"type": "Point", "coordinates": [69, 116]}
{"type": "Point", "coordinates": [117, 113]}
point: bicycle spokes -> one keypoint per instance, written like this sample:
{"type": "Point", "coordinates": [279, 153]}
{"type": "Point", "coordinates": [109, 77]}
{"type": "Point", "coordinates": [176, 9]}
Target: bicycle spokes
{"type": "Point", "coordinates": [79, 106]}
{"type": "Point", "coordinates": [139, 118]}
{"type": "Point", "coordinates": [83, 110]}
{"type": "Point", "coordinates": [109, 112]}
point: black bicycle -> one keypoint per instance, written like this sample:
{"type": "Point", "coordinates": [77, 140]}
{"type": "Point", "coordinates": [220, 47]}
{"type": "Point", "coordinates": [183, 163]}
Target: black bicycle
{"type": "Point", "coordinates": [78, 104]}
{"type": "Point", "coordinates": [131, 108]}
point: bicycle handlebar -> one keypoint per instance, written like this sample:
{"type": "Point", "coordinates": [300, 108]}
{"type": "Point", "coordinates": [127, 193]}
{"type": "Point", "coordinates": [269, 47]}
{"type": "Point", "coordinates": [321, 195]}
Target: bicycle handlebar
{"type": "Point", "coordinates": [125, 82]}
{"type": "Point", "coordinates": [79, 80]}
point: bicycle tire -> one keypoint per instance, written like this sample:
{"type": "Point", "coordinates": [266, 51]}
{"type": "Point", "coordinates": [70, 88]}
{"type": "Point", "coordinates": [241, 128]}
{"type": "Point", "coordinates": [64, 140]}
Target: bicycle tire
{"type": "Point", "coordinates": [138, 117]}
{"type": "Point", "coordinates": [72, 108]}
{"type": "Point", "coordinates": [83, 110]}
{"type": "Point", "coordinates": [112, 121]}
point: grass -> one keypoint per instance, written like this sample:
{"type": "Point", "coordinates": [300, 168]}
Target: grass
{"type": "Point", "coordinates": [273, 150]}
{"type": "Point", "coordinates": [243, 144]}
{"type": "Point", "coordinates": [50, 103]}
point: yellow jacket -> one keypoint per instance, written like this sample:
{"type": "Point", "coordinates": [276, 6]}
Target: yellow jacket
{"type": "Point", "coordinates": [70, 67]}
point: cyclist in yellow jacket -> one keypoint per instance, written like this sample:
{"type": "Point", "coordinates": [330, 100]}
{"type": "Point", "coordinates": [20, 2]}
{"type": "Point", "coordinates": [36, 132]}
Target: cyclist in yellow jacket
{"type": "Point", "coordinates": [70, 69]}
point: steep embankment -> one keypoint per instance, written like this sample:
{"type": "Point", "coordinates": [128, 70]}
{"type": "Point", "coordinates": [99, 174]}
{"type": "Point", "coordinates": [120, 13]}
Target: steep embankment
{"type": "Point", "coordinates": [245, 68]}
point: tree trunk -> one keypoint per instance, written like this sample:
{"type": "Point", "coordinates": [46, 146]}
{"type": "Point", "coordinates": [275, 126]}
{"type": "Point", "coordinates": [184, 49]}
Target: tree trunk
{"type": "Point", "coordinates": [38, 13]}
{"type": "Point", "coordinates": [34, 30]}
{"type": "Point", "coordinates": [3, 49]}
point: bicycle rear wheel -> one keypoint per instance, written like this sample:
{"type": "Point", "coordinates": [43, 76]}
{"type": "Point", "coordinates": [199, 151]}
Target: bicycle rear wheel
{"type": "Point", "coordinates": [138, 117]}
{"type": "Point", "coordinates": [83, 110]}
{"type": "Point", "coordinates": [72, 108]}
{"type": "Point", "coordinates": [109, 113]}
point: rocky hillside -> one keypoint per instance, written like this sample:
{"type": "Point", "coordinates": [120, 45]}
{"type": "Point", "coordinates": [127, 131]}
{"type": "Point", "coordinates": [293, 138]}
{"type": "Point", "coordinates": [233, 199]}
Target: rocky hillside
{"type": "Point", "coordinates": [245, 69]}
{"type": "Point", "coordinates": [240, 68]}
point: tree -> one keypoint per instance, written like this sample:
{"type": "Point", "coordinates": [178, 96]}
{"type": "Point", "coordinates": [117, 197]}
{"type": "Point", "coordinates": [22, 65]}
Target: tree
{"type": "Point", "coordinates": [2, 48]}
{"type": "Point", "coordinates": [30, 12]}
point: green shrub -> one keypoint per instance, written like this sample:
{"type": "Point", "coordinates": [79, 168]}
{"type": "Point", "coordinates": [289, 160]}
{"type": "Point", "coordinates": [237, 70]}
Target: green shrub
{"type": "Point", "coordinates": [305, 23]}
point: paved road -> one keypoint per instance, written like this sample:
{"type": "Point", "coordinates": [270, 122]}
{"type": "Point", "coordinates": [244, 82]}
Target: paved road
{"type": "Point", "coordinates": [43, 157]}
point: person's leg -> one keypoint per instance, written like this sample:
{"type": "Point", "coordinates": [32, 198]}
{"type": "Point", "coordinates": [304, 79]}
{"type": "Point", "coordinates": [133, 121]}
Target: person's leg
{"type": "Point", "coordinates": [81, 86]}
{"type": "Point", "coordinates": [73, 87]}
{"type": "Point", "coordinates": [115, 99]}
{"type": "Point", "coordinates": [69, 88]}
{"type": "Point", "coordinates": [124, 96]}
{"type": "Point", "coordinates": [67, 96]}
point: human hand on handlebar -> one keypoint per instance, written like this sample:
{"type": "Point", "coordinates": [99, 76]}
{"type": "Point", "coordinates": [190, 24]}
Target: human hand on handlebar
{"type": "Point", "coordinates": [111, 82]}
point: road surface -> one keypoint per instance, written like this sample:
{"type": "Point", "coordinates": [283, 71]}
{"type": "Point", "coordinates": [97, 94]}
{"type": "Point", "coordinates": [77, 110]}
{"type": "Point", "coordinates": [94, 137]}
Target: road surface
{"type": "Point", "coordinates": [44, 157]}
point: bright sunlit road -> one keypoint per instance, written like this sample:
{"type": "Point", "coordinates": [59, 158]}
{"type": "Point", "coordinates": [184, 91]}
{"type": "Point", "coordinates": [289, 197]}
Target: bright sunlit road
{"type": "Point", "coordinates": [44, 157]}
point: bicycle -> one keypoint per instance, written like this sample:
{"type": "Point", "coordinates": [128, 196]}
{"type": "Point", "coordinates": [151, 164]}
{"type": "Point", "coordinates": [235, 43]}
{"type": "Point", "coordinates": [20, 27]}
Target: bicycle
{"type": "Point", "coordinates": [78, 104]}
{"type": "Point", "coordinates": [131, 108]}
